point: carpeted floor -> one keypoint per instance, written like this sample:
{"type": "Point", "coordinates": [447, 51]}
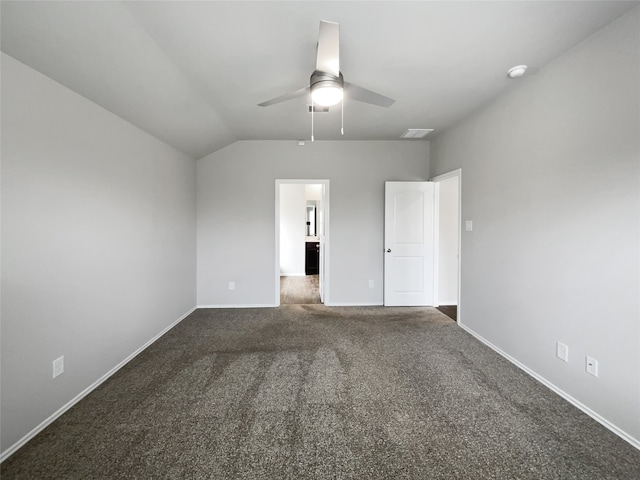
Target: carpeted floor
{"type": "Point", "coordinates": [300, 290]}
{"type": "Point", "coordinates": [315, 392]}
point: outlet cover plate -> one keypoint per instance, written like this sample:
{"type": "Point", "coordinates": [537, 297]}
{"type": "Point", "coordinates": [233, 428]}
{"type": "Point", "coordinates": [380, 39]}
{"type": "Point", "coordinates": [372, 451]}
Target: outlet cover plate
{"type": "Point", "coordinates": [591, 365]}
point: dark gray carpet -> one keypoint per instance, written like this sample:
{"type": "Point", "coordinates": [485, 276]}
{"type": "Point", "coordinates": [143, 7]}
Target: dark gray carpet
{"type": "Point", "coordinates": [310, 392]}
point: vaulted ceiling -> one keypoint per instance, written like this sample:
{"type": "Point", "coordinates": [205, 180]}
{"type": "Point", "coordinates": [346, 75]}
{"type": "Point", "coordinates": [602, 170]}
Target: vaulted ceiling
{"type": "Point", "coordinates": [192, 73]}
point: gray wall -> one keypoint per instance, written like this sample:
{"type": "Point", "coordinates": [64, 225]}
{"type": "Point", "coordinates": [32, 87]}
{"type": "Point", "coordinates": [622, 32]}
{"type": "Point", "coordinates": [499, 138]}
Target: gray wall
{"type": "Point", "coordinates": [236, 214]}
{"type": "Point", "coordinates": [550, 178]}
{"type": "Point", "coordinates": [98, 244]}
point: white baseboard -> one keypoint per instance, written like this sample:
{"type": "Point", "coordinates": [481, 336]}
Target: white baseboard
{"type": "Point", "coordinates": [293, 274]}
{"type": "Point", "coordinates": [448, 302]}
{"type": "Point", "coordinates": [273, 305]}
{"type": "Point", "coordinates": [44, 424]}
{"type": "Point", "coordinates": [252, 305]}
{"type": "Point", "coordinates": [598, 418]}
{"type": "Point", "coordinates": [356, 304]}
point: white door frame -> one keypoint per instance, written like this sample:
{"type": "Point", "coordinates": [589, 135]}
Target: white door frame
{"type": "Point", "coordinates": [324, 239]}
{"type": "Point", "coordinates": [437, 179]}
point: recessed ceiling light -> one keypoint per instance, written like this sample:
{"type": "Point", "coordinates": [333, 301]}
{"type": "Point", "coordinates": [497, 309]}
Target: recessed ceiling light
{"type": "Point", "coordinates": [416, 133]}
{"type": "Point", "coordinates": [517, 71]}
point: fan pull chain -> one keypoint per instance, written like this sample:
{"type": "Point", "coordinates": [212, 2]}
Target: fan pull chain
{"type": "Point", "coordinates": [342, 126]}
{"type": "Point", "coordinates": [312, 110]}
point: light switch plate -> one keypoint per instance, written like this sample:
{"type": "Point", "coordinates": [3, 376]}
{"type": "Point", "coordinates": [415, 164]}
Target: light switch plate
{"type": "Point", "coordinates": [562, 351]}
{"type": "Point", "coordinates": [58, 366]}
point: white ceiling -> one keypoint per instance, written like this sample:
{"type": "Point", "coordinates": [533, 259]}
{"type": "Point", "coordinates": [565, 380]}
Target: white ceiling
{"type": "Point", "coordinates": [192, 73]}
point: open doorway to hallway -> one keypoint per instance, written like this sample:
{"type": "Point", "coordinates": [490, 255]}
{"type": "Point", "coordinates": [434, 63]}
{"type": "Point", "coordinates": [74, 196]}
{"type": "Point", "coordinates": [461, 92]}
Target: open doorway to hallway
{"type": "Point", "coordinates": [301, 241]}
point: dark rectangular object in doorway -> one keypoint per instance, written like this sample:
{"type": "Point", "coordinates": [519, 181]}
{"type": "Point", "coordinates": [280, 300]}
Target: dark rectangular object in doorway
{"type": "Point", "coordinates": [312, 258]}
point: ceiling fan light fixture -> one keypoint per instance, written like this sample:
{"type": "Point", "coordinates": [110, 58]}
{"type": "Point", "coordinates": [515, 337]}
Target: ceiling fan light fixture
{"type": "Point", "coordinates": [326, 89]}
{"type": "Point", "coordinates": [326, 94]}
{"type": "Point", "coordinates": [326, 84]}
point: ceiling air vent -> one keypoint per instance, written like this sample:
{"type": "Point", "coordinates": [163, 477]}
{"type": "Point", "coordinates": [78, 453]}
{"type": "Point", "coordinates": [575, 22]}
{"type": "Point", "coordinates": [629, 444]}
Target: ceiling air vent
{"type": "Point", "coordinates": [317, 109]}
{"type": "Point", "coordinates": [416, 133]}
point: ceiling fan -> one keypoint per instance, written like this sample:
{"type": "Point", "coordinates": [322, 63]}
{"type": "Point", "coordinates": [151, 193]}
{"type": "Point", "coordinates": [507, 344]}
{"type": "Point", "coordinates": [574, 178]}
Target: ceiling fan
{"type": "Point", "coordinates": [326, 84]}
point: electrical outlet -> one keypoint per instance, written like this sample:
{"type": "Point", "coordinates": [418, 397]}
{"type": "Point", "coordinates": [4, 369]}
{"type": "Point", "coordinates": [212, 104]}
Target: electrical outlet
{"type": "Point", "coordinates": [468, 225]}
{"type": "Point", "coordinates": [58, 367]}
{"type": "Point", "coordinates": [562, 351]}
{"type": "Point", "coordinates": [232, 285]}
{"type": "Point", "coordinates": [370, 283]}
{"type": "Point", "coordinates": [591, 365]}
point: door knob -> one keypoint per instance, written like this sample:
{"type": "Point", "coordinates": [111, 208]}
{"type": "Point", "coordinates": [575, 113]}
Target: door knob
{"type": "Point", "coordinates": [388, 250]}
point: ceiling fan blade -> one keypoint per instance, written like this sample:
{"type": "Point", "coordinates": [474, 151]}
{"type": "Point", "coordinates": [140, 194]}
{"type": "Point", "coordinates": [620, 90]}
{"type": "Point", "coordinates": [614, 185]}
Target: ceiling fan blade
{"type": "Point", "coordinates": [328, 56]}
{"type": "Point", "coordinates": [285, 97]}
{"type": "Point", "coordinates": [360, 94]}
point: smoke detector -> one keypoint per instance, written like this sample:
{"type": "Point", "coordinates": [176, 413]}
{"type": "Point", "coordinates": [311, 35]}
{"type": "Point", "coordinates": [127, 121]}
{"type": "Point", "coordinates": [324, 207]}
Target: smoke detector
{"type": "Point", "coordinates": [517, 71]}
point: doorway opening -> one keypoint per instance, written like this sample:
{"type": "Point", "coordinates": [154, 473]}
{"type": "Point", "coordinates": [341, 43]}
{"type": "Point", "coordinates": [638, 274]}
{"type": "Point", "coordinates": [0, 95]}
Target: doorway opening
{"type": "Point", "coordinates": [448, 243]}
{"type": "Point", "coordinates": [302, 241]}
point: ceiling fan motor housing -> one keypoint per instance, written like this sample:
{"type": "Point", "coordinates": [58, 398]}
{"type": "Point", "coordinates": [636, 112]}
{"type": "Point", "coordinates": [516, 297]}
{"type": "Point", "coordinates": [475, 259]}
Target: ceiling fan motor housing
{"type": "Point", "coordinates": [323, 79]}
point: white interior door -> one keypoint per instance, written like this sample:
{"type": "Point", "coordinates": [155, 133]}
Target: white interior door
{"type": "Point", "coordinates": [447, 240]}
{"type": "Point", "coordinates": [409, 243]}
